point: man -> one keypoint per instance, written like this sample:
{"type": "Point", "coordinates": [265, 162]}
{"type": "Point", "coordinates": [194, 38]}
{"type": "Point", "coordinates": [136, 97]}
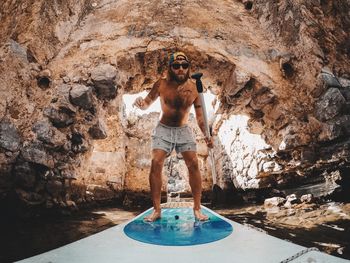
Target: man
{"type": "Point", "coordinates": [177, 94]}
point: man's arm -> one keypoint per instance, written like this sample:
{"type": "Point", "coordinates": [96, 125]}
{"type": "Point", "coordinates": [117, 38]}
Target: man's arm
{"type": "Point", "coordinates": [200, 120]}
{"type": "Point", "coordinates": [199, 114]}
{"type": "Point", "coordinates": [143, 104]}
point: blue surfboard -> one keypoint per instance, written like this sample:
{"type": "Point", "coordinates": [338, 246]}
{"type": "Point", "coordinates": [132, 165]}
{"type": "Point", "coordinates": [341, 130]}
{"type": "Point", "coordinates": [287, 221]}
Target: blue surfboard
{"type": "Point", "coordinates": [178, 227]}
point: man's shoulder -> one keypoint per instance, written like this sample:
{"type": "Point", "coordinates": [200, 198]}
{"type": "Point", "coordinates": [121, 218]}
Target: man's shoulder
{"type": "Point", "coordinates": [192, 84]}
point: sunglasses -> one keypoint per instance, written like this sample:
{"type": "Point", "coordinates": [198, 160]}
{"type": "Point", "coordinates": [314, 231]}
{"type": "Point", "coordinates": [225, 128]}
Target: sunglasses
{"type": "Point", "coordinates": [177, 66]}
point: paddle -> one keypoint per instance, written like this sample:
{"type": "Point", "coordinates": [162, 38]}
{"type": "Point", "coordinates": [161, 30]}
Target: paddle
{"type": "Point", "coordinates": [216, 187]}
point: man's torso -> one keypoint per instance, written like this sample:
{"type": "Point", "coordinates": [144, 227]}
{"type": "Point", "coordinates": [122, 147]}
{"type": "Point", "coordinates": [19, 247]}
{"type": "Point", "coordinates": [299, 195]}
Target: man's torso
{"type": "Point", "coordinates": [176, 101]}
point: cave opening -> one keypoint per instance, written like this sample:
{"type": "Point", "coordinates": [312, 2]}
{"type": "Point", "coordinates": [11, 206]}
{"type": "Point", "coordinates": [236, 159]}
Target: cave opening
{"type": "Point", "coordinates": [122, 160]}
{"type": "Point", "coordinates": [248, 5]}
{"type": "Point", "coordinates": [44, 82]}
{"type": "Point", "coordinates": [288, 70]}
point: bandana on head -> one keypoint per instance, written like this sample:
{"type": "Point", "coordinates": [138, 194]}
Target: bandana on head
{"type": "Point", "coordinates": [174, 56]}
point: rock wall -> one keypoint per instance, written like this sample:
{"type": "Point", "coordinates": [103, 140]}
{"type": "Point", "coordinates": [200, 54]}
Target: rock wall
{"type": "Point", "coordinates": [64, 67]}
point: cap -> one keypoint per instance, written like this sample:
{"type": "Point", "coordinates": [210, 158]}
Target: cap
{"type": "Point", "coordinates": [176, 55]}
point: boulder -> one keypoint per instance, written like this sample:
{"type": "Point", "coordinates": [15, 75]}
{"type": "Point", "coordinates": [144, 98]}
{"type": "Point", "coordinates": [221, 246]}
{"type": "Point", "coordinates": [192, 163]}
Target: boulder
{"type": "Point", "coordinates": [346, 93]}
{"type": "Point", "coordinates": [103, 77]}
{"type": "Point", "coordinates": [30, 198]}
{"type": "Point", "coordinates": [329, 105]}
{"type": "Point", "coordinates": [308, 198]}
{"type": "Point", "coordinates": [81, 96]}
{"type": "Point", "coordinates": [48, 134]}
{"type": "Point", "coordinates": [292, 198]}
{"type": "Point", "coordinates": [54, 187]}
{"type": "Point", "coordinates": [59, 118]}
{"type": "Point", "coordinates": [235, 83]}
{"type": "Point", "coordinates": [329, 132]}
{"type": "Point", "coordinates": [35, 153]}
{"type": "Point", "coordinates": [274, 201]}
{"type": "Point", "coordinates": [329, 79]}
{"type": "Point", "coordinates": [345, 82]}
{"type": "Point", "coordinates": [335, 128]}
{"type": "Point", "coordinates": [78, 142]}
{"type": "Point", "coordinates": [98, 131]}
{"type": "Point", "coordinates": [62, 99]}
{"type": "Point", "coordinates": [344, 123]}
{"type": "Point", "coordinates": [9, 137]}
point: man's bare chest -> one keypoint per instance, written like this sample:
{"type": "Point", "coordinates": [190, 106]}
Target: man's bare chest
{"type": "Point", "coordinates": [178, 97]}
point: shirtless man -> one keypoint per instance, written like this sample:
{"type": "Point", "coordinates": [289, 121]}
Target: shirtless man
{"type": "Point", "coordinates": [177, 94]}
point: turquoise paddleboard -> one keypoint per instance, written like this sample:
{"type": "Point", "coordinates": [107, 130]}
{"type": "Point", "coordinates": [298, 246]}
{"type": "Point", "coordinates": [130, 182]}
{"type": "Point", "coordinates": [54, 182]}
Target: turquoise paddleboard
{"type": "Point", "coordinates": [178, 227]}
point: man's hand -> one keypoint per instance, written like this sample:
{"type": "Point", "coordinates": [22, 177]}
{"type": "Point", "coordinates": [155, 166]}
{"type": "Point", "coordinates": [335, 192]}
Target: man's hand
{"type": "Point", "coordinates": [209, 142]}
{"type": "Point", "coordinates": [140, 103]}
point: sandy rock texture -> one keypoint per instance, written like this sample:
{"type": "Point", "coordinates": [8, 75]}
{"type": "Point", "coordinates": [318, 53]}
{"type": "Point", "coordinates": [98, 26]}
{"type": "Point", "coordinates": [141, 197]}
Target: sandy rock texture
{"type": "Point", "coordinates": [65, 66]}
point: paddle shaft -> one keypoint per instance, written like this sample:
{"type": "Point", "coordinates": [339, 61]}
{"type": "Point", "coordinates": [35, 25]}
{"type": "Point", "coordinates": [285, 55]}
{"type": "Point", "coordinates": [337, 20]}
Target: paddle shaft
{"type": "Point", "coordinates": [207, 134]}
{"type": "Point", "coordinates": [199, 85]}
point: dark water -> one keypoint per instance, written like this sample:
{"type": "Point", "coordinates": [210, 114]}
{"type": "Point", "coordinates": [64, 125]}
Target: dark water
{"type": "Point", "coordinates": [21, 238]}
{"type": "Point", "coordinates": [332, 237]}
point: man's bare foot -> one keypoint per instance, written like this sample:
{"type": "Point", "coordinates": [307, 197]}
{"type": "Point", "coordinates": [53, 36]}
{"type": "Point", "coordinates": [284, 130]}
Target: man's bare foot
{"type": "Point", "coordinates": [199, 216]}
{"type": "Point", "coordinates": [153, 217]}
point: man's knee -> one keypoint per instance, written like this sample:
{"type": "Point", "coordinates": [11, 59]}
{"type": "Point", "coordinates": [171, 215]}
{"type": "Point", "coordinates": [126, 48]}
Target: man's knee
{"type": "Point", "coordinates": [157, 163]}
{"type": "Point", "coordinates": [192, 164]}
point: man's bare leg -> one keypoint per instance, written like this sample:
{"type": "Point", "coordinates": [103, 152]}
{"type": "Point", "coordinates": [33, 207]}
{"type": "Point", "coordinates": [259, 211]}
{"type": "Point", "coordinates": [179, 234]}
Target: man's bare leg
{"type": "Point", "coordinates": [155, 181]}
{"type": "Point", "coordinates": [195, 181]}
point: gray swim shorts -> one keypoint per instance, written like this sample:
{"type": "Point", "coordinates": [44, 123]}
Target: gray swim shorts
{"type": "Point", "coordinates": [169, 138]}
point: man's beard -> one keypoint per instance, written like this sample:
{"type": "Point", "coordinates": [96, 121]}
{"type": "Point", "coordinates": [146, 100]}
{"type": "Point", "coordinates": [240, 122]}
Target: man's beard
{"type": "Point", "coordinates": [175, 77]}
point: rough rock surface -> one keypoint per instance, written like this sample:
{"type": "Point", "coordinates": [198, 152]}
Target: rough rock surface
{"type": "Point", "coordinates": [65, 65]}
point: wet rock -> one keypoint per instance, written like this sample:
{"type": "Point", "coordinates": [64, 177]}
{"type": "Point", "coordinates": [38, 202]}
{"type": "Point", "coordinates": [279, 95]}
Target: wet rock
{"type": "Point", "coordinates": [274, 201]}
{"type": "Point", "coordinates": [58, 118]}
{"type": "Point", "coordinates": [49, 204]}
{"type": "Point", "coordinates": [345, 92]}
{"type": "Point", "coordinates": [98, 131]}
{"type": "Point", "coordinates": [329, 79]}
{"type": "Point", "coordinates": [54, 187]}
{"type": "Point", "coordinates": [292, 199]}
{"type": "Point", "coordinates": [345, 82]}
{"type": "Point", "coordinates": [9, 137]}
{"type": "Point", "coordinates": [48, 134]}
{"type": "Point", "coordinates": [30, 198]}
{"type": "Point", "coordinates": [127, 202]}
{"type": "Point", "coordinates": [308, 156]}
{"type": "Point", "coordinates": [81, 96]}
{"type": "Point", "coordinates": [329, 105]}
{"type": "Point", "coordinates": [103, 77]}
{"type": "Point", "coordinates": [25, 175]}
{"type": "Point", "coordinates": [71, 205]}
{"type": "Point", "coordinates": [100, 192]}
{"type": "Point", "coordinates": [308, 198]}
{"type": "Point", "coordinates": [35, 153]}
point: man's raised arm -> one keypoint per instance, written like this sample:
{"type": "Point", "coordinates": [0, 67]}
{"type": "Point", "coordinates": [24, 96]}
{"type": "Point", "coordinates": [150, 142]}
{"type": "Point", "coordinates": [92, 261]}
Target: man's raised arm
{"type": "Point", "coordinates": [143, 104]}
